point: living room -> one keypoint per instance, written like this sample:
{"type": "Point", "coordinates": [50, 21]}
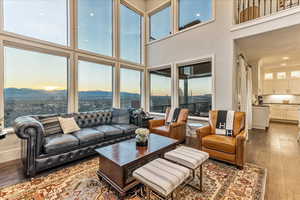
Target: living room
{"type": "Point", "coordinates": [127, 99]}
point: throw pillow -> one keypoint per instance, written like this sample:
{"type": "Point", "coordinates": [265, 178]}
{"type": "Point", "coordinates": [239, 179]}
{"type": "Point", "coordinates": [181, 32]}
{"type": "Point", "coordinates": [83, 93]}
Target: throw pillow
{"type": "Point", "coordinates": [51, 125]}
{"type": "Point", "coordinates": [68, 125]}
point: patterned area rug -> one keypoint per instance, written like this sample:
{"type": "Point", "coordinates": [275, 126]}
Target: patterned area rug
{"type": "Point", "coordinates": [80, 182]}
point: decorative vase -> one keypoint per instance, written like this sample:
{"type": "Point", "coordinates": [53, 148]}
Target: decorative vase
{"type": "Point", "coordinates": [141, 138]}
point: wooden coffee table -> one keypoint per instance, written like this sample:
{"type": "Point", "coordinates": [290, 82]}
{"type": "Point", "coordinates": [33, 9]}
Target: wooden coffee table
{"type": "Point", "coordinates": [118, 161]}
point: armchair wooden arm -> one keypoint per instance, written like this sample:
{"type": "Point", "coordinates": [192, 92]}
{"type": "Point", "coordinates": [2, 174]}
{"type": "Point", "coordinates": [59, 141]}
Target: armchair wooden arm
{"type": "Point", "coordinates": [178, 131]}
{"type": "Point", "coordinates": [240, 148]}
{"type": "Point", "coordinates": [156, 122]}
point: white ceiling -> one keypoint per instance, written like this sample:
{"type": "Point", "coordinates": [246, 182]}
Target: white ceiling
{"type": "Point", "coordinates": [271, 47]}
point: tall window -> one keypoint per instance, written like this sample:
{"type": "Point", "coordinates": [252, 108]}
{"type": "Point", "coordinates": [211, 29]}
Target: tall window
{"type": "Point", "coordinates": [160, 97]}
{"type": "Point", "coordinates": [45, 20]}
{"type": "Point", "coordinates": [192, 12]}
{"type": "Point", "coordinates": [95, 25]}
{"type": "Point", "coordinates": [130, 88]}
{"type": "Point", "coordinates": [195, 88]}
{"type": "Point", "coordinates": [95, 83]}
{"type": "Point", "coordinates": [131, 35]}
{"type": "Point", "coordinates": [35, 83]}
{"type": "Point", "coordinates": [160, 24]}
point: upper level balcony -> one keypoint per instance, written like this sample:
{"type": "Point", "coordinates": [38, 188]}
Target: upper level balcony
{"type": "Point", "coordinates": [248, 10]}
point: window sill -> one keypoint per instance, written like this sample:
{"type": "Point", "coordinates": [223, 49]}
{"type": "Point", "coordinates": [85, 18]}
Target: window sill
{"type": "Point", "coordinates": [190, 117]}
{"type": "Point", "coordinates": [179, 32]}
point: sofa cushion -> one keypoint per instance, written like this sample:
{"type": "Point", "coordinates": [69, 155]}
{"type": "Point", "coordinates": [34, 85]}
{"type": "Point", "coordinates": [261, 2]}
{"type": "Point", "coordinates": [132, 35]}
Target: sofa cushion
{"type": "Point", "coordinates": [120, 116]}
{"type": "Point", "coordinates": [220, 143]}
{"type": "Point", "coordinates": [59, 143]}
{"type": "Point", "coordinates": [126, 128]}
{"type": "Point", "coordinates": [109, 130]}
{"type": "Point", "coordinates": [88, 135]}
{"type": "Point", "coordinates": [91, 119]}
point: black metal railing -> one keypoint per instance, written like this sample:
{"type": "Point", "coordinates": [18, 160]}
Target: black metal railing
{"type": "Point", "coordinates": [251, 9]}
{"type": "Point", "coordinates": [200, 109]}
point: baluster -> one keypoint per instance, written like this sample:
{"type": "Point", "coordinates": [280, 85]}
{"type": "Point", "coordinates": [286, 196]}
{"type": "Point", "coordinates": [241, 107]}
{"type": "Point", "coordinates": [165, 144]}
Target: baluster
{"type": "Point", "coordinates": [259, 7]}
{"type": "Point", "coordinates": [291, 3]}
{"type": "Point", "coordinates": [298, 2]}
{"type": "Point", "coordinates": [248, 9]}
{"type": "Point", "coordinates": [243, 10]}
{"type": "Point", "coordinates": [238, 11]}
{"type": "Point", "coordinates": [253, 3]}
{"type": "Point", "coordinates": [277, 5]}
{"type": "Point", "coordinates": [265, 3]}
{"type": "Point", "coordinates": [271, 10]}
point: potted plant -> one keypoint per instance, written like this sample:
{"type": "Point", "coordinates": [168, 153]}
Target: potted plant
{"type": "Point", "coordinates": [141, 138]}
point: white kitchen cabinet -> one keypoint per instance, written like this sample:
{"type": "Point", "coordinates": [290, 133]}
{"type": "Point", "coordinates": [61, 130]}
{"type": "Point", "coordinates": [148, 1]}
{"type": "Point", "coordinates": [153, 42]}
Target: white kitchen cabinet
{"type": "Point", "coordinates": [268, 87]}
{"type": "Point", "coordinates": [294, 86]}
{"type": "Point", "coordinates": [281, 86]}
{"type": "Point", "coordinates": [285, 112]}
{"type": "Point", "coordinates": [260, 117]}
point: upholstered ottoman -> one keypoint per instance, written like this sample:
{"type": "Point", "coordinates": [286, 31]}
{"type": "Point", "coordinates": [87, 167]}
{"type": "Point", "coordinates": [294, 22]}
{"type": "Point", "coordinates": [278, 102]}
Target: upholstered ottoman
{"type": "Point", "coordinates": [162, 177]}
{"type": "Point", "coordinates": [190, 158]}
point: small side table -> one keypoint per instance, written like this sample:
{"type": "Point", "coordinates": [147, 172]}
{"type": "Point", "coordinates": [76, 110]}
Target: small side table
{"type": "Point", "coordinates": [192, 127]}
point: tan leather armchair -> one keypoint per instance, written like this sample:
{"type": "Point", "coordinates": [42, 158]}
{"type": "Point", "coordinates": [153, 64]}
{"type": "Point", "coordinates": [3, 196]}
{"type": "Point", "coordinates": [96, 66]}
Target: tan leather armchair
{"type": "Point", "coordinates": [176, 130]}
{"type": "Point", "coordinates": [230, 149]}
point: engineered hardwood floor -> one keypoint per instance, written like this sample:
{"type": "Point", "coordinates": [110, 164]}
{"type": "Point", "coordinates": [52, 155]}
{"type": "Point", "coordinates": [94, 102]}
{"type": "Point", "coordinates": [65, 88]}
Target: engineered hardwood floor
{"type": "Point", "coordinates": [276, 149]}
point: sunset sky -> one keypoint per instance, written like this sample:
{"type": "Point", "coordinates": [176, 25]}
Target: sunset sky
{"type": "Point", "coordinates": [48, 20]}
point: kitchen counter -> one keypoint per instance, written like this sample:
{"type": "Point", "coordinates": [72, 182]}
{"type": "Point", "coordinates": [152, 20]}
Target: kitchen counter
{"type": "Point", "coordinates": [291, 104]}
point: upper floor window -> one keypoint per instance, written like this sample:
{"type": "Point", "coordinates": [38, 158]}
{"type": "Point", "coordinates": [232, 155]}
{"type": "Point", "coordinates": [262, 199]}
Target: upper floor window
{"type": "Point", "coordinates": [192, 12]}
{"type": "Point", "coordinates": [95, 26]}
{"type": "Point", "coordinates": [281, 75]}
{"type": "Point", "coordinates": [95, 86]}
{"type": "Point", "coordinates": [195, 88]}
{"type": "Point", "coordinates": [44, 20]}
{"type": "Point", "coordinates": [295, 74]}
{"type": "Point", "coordinates": [130, 91]}
{"type": "Point", "coordinates": [160, 90]}
{"type": "Point", "coordinates": [35, 83]}
{"type": "Point", "coordinates": [160, 23]}
{"type": "Point", "coordinates": [268, 76]}
{"type": "Point", "coordinates": [131, 35]}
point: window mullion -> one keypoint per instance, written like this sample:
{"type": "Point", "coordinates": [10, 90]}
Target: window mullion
{"type": "Point", "coordinates": [1, 84]}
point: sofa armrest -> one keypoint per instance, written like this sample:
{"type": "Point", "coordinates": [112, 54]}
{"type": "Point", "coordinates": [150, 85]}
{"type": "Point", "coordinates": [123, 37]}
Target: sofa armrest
{"type": "Point", "coordinates": [241, 139]}
{"type": "Point", "coordinates": [156, 123]}
{"type": "Point", "coordinates": [29, 129]}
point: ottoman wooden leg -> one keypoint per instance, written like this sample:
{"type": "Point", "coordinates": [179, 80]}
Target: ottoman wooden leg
{"type": "Point", "coordinates": [200, 177]}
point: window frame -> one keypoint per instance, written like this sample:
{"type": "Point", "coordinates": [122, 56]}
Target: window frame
{"type": "Point", "coordinates": [70, 21]}
{"type": "Point", "coordinates": [142, 35]}
{"type": "Point", "coordinates": [113, 36]}
{"type": "Point", "coordinates": [207, 58]}
{"type": "Point", "coordinates": [94, 60]}
{"type": "Point", "coordinates": [141, 81]}
{"type": "Point", "coordinates": [154, 68]}
{"type": "Point", "coordinates": [155, 11]}
{"type": "Point", "coordinates": [74, 54]}
{"type": "Point", "coordinates": [37, 49]}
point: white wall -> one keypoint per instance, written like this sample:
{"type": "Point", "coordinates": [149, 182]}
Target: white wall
{"type": "Point", "coordinates": [213, 38]}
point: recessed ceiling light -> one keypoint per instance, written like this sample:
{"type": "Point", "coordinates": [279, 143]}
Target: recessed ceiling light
{"type": "Point", "coordinates": [198, 15]}
{"type": "Point", "coordinates": [92, 14]}
{"type": "Point", "coordinates": [283, 64]}
{"type": "Point", "coordinates": [285, 58]}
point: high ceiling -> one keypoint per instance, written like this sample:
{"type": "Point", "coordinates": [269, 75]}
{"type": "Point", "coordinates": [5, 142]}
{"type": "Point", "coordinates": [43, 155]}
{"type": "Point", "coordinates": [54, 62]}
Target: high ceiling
{"type": "Point", "coordinates": [280, 48]}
